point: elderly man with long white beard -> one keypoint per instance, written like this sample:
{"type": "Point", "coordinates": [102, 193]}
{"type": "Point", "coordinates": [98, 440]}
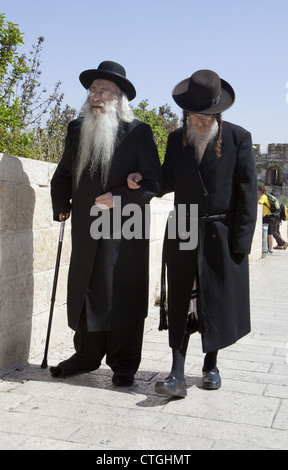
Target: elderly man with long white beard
{"type": "Point", "coordinates": [107, 298]}
{"type": "Point", "coordinates": [209, 163]}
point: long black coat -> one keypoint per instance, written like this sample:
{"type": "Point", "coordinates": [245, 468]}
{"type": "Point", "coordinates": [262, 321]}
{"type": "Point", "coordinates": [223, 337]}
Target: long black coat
{"type": "Point", "coordinates": [120, 267]}
{"type": "Point", "coordinates": [225, 185]}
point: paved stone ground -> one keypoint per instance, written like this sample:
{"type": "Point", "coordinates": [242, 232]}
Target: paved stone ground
{"type": "Point", "coordinates": [86, 412]}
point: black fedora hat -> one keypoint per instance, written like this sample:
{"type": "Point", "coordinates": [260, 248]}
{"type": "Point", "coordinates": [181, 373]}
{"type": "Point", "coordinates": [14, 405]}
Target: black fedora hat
{"type": "Point", "coordinates": [109, 70]}
{"type": "Point", "coordinates": [204, 93]}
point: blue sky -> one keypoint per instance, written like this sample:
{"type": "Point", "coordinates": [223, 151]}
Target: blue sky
{"type": "Point", "coordinates": [161, 42]}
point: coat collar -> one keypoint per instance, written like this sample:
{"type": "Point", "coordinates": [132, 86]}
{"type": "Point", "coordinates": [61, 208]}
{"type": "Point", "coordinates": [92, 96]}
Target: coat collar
{"type": "Point", "coordinates": [125, 128]}
{"type": "Point", "coordinates": [208, 160]}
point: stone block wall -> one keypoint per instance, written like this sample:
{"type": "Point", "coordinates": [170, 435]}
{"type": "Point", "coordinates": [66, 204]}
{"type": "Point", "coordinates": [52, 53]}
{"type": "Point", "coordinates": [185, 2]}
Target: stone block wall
{"type": "Point", "coordinates": [272, 168]}
{"type": "Point", "coordinates": [160, 208]}
{"type": "Point", "coordinates": [256, 248]}
{"type": "Point", "coordinates": [28, 248]}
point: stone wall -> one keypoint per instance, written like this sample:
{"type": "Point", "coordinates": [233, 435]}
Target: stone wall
{"type": "Point", "coordinates": [28, 249]}
{"type": "Point", "coordinates": [256, 248]}
{"type": "Point", "coordinates": [272, 168]}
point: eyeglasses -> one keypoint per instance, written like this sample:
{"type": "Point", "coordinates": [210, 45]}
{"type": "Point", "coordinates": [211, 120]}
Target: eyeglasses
{"type": "Point", "coordinates": [103, 93]}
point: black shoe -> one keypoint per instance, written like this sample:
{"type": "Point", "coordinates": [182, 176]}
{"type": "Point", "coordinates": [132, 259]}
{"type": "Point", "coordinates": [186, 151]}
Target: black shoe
{"type": "Point", "coordinates": [211, 380]}
{"type": "Point", "coordinates": [73, 366]}
{"type": "Point", "coordinates": [172, 387]}
{"type": "Point", "coordinates": [56, 371]}
{"type": "Point", "coordinates": [123, 378]}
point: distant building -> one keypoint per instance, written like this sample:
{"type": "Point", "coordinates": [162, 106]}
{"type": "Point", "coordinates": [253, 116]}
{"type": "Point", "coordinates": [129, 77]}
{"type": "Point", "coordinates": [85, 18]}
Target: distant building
{"type": "Point", "coordinates": [272, 167]}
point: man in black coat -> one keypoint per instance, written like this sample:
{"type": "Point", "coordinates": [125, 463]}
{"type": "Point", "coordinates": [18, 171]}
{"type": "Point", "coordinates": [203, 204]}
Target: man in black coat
{"type": "Point", "coordinates": [209, 165]}
{"type": "Point", "coordinates": [107, 297]}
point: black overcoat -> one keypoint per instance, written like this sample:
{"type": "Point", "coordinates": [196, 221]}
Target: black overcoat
{"type": "Point", "coordinates": [120, 267]}
{"type": "Point", "coordinates": [228, 186]}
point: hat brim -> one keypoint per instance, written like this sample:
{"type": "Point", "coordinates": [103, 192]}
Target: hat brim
{"type": "Point", "coordinates": [182, 98]}
{"type": "Point", "coordinates": [88, 76]}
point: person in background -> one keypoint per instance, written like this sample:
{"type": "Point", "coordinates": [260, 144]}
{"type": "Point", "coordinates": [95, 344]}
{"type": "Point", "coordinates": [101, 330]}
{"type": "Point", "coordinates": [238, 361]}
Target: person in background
{"type": "Point", "coordinates": [107, 298]}
{"type": "Point", "coordinates": [281, 244]}
{"type": "Point", "coordinates": [268, 217]}
{"type": "Point", "coordinates": [208, 163]}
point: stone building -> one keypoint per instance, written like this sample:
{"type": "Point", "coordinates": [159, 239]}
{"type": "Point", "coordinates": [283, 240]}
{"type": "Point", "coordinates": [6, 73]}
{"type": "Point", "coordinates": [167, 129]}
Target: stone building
{"type": "Point", "coordinates": [272, 168]}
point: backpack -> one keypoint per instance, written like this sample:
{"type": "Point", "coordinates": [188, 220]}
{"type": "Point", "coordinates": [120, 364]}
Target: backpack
{"type": "Point", "coordinates": [283, 212]}
{"type": "Point", "coordinates": [274, 204]}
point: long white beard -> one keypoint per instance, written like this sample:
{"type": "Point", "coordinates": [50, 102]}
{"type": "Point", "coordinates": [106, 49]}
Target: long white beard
{"type": "Point", "coordinates": [201, 139]}
{"type": "Point", "coordinates": [98, 140]}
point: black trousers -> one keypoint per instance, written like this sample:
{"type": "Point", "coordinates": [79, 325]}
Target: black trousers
{"type": "Point", "coordinates": [122, 346]}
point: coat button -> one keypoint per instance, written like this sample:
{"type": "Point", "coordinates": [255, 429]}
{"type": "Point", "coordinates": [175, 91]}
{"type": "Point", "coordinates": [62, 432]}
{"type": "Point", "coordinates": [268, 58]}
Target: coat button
{"type": "Point", "coordinates": [205, 194]}
{"type": "Point", "coordinates": [214, 236]}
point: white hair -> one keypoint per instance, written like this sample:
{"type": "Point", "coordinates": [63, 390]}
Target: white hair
{"type": "Point", "coordinates": [125, 112]}
{"type": "Point", "coordinates": [200, 140]}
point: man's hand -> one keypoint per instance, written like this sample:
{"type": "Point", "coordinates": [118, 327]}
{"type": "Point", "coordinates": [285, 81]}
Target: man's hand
{"type": "Point", "coordinates": [105, 201]}
{"type": "Point", "coordinates": [64, 216]}
{"type": "Point", "coordinates": [133, 180]}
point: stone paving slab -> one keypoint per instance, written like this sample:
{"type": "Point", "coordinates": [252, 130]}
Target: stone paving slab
{"type": "Point", "coordinates": [87, 412]}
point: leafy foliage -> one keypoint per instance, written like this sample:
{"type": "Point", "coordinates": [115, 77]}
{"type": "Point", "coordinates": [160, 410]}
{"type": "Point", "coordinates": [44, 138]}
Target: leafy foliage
{"type": "Point", "coordinates": [162, 123]}
{"type": "Point", "coordinates": [12, 67]}
{"type": "Point", "coordinates": [23, 103]}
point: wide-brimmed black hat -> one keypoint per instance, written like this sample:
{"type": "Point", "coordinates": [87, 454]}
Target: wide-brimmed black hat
{"type": "Point", "coordinates": [204, 93]}
{"type": "Point", "coordinates": [109, 70]}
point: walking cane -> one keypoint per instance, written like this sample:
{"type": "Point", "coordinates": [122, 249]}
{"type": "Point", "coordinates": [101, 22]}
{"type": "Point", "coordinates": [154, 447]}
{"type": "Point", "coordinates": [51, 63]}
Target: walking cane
{"type": "Point", "coordinates": [44, 362]}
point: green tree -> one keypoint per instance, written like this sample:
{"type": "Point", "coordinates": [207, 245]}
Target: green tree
{"type": "Point", "coordinates": [162, 123]}
{"type": "Point", "coordinates": [51, 138]}
{"type": "Point", "coordinates": [24, 103]}
{"type": "Point", "coordinates": [12, 68]}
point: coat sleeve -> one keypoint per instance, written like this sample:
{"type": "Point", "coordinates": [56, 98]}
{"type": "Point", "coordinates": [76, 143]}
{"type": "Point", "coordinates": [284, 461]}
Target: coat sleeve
{"type": "Point", "coordinates": [148, 164]}
{"type": "Point", "coordinates": [246, 197]}
{"type": "Point", "coordinates": [61, 183]}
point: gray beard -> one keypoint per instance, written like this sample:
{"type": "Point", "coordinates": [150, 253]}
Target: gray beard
{"type": "Point", "coordinates": [98, 140]}
{"type": "Point", "coordinates": [200, 140]}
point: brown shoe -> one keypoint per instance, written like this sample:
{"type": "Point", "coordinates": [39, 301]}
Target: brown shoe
{"type": "Point", "coordinates": [285, 246]}
{"type": "Point", "coordinates": [277, 247]}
